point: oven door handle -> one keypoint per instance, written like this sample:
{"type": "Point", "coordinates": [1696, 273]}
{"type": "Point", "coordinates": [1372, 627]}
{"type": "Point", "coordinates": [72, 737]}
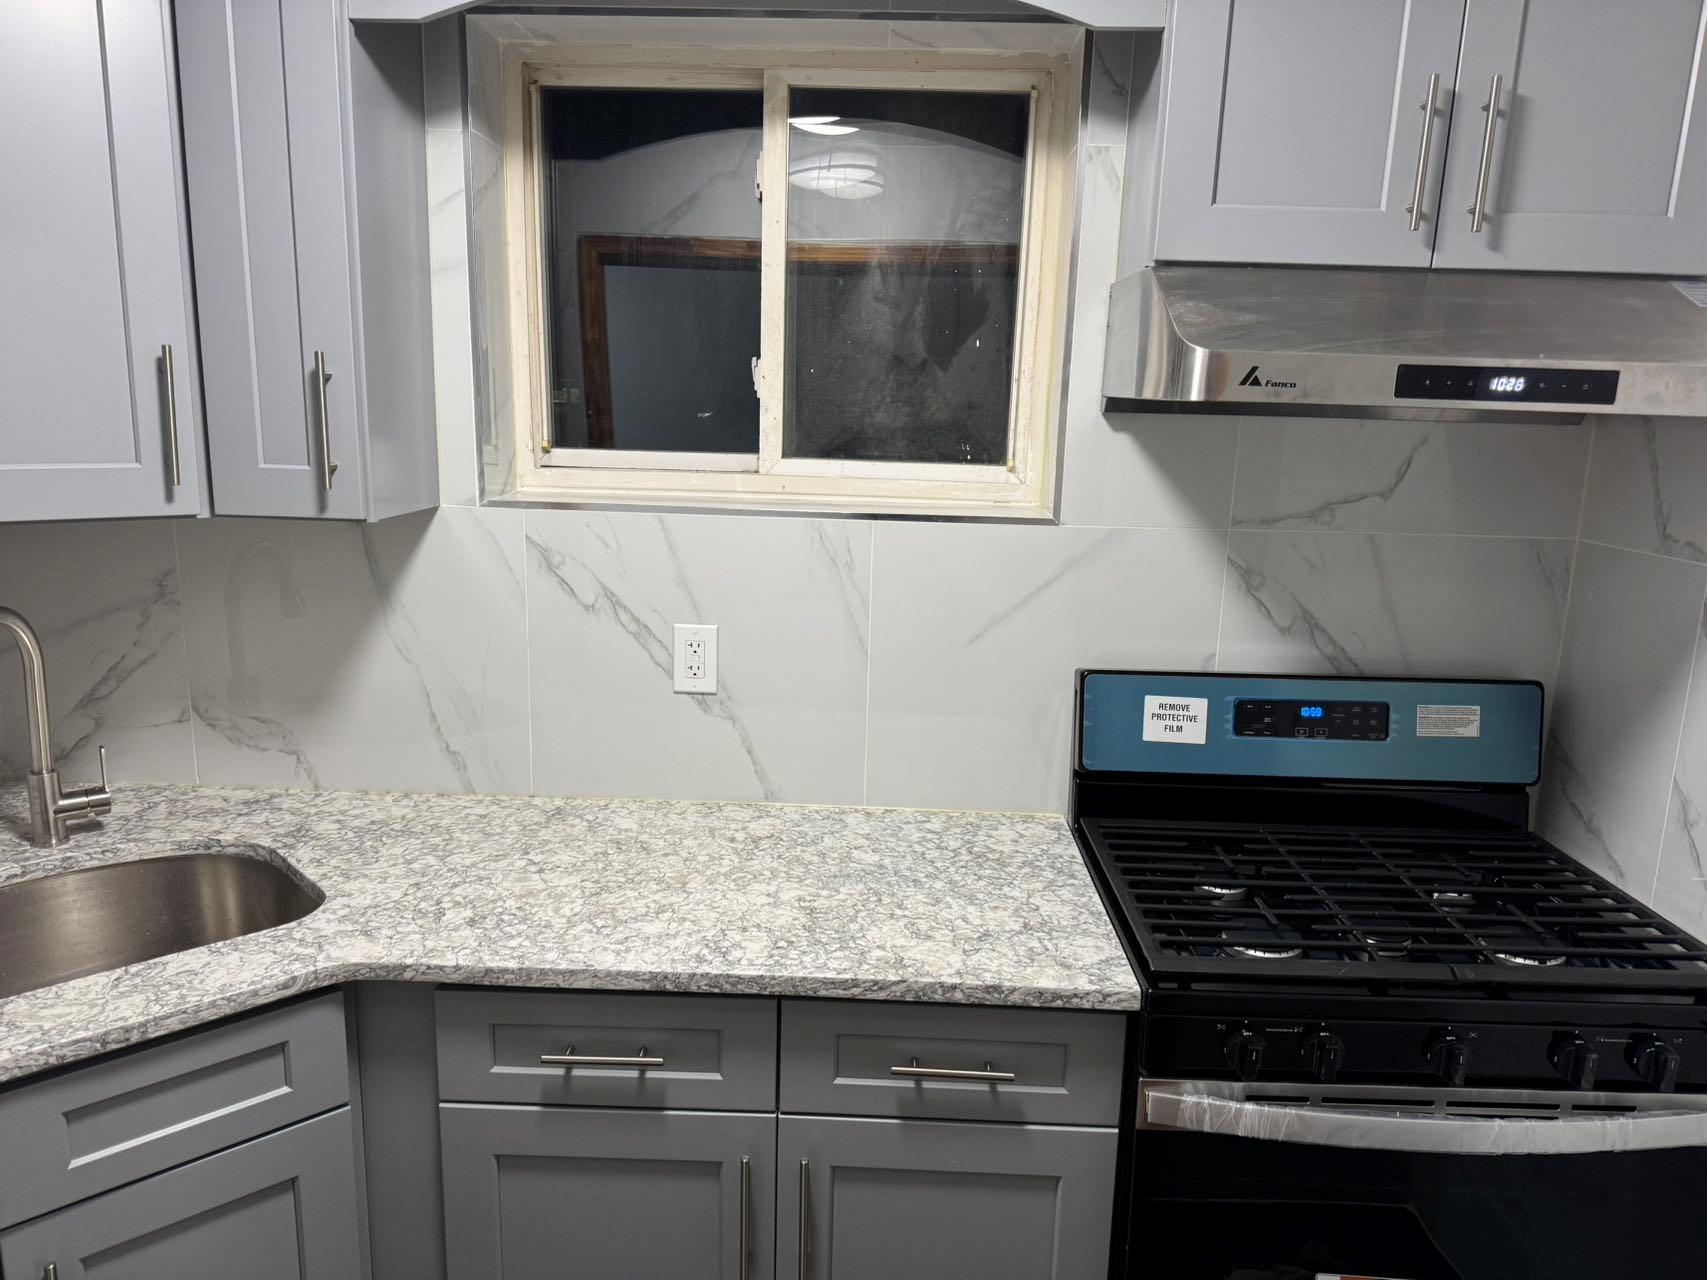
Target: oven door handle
{"type": "Point", "coordinates": [1177, 1106]}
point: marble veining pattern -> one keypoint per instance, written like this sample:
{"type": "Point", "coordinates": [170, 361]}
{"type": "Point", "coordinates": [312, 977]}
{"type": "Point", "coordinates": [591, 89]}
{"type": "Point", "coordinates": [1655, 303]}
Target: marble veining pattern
{"type": "Point", "coordinates": [1644, 489]}
{"type": "Point", "coordinates": [590, 894]}
{"type": "Point", "coordinates": [1386, 604]}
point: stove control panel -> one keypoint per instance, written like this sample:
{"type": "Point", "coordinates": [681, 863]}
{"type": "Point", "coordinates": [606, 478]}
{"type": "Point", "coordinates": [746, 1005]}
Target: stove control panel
{"type": "Point", "coordinates": [1313, 721]}
{"type": "Point", "coordinates": [1539, 1055]}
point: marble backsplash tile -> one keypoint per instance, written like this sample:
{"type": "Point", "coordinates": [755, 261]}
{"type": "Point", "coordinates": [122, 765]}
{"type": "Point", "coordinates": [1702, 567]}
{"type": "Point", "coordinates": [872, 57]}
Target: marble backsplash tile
{"type": "Point", "coordinates": [1394, 604]}
{"type": "Point", "coordinates": [1647, 486]}
{"type": "Point", "coordinates": [976, 633]}
{"type": "Point", "coordinates": [1618, 709]}
{"type": "Point", "coordinates": [791, 601]}
{"type": "Point", "coordinates": [367, 657]}
{"type": "Point", "coordinates": [104, 598]}
{"type": "Point", "coordinates": [1410, 477]}
{"type": "Point", "coordinates": [1680, 884]}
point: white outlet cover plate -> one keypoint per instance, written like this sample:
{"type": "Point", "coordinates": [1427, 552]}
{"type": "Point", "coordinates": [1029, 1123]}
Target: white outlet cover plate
{"type": "Point", "coordinates": [695, 664]}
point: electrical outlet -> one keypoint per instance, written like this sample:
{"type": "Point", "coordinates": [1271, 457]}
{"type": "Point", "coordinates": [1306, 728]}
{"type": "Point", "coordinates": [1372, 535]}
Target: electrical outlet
{"type": "Point", "coordinates": [696, 658]}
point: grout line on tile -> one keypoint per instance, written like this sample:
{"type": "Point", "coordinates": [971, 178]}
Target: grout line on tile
{"type": "Point", "coordinates": [1638, 551]}
{"type": "Point", "coordinates": [870, 644]}
{"type": "Point", "coordinates": [527, 649]}
{"type": "Point", "coordinates": [1677, 751]}
{"type": "Point", "coordinates": [184, 627]}
{"type": "Point", "coordinates": [1227, 545]}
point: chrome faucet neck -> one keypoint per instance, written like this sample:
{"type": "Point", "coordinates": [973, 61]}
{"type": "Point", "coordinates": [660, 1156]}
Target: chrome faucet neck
{"type": "Point", "coordinates": [51, 809]}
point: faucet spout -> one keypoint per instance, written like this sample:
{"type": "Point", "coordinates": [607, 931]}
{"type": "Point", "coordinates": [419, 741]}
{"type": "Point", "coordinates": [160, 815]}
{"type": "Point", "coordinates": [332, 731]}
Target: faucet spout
{"type": "Point", "coordinates": [51, 808]}
{"type": "Point", "coordinates": [35, 689]}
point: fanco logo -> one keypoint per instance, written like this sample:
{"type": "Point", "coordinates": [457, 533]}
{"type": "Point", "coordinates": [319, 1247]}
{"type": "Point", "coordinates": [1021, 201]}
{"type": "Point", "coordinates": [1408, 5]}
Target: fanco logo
{"type": "Point", "coordinates": [1252, 379]}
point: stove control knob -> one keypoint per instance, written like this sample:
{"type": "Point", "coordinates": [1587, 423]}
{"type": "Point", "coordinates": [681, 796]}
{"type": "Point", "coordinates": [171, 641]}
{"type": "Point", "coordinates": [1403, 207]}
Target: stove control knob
{"type": "Point", "coordinates": [1450, 1058]}
{"type": "Point", "coordinates": [1577, 1060]}
{"type": "Point", "coordinates": [1655, 1061]}
{"type": "Point", "coordinates": [1244, 1053]}
{"type": "Point", "coordinates": [1324, 1054]}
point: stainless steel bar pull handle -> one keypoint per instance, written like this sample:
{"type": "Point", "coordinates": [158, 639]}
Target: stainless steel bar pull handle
{"type": "Point", "coordinates": [569, 1058]}
{"type": "Point", "coordinates": [1492, 106]}
{"type": "Point", "coordinates": [1415, 208]}
{"type": "Point", "coordinates": [746, 1216]}
{"type": "Point", "coordinates": [987, 1075]}
{"type": "Point", "coordinates": [805, 1213]}
{"type": "Point", "coordinates": [328, 468]}
{"type": "Point", "coordinates": [171, 413]}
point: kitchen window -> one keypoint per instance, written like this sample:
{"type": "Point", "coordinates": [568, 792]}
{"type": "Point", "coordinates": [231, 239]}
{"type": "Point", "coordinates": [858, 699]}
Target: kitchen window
{"type": "Point", "coordinates": [829, 280]}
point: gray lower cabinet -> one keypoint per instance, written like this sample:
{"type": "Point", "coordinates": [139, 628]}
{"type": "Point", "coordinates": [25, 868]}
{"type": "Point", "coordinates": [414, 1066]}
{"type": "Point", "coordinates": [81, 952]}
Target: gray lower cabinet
{"type": "Point", "coordinates": [94, 273]}
{"type": "Point", "coordinates": [868, 1199]}
{"type": "Point", "coordinates": [305, 145]}
{"type": "Point", "coordinates": [1598, 154]}
{"type": "Point", "coordinates": [549, 1193]}
{"type": "Point", "coordinates": [1295, 130]}
{"type": "Point", "coordinates": [282, 1207]}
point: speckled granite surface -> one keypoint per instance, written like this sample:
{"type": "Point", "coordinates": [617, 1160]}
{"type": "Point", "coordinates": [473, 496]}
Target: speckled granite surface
{"type": "Point", "coordinates": [615, 894]}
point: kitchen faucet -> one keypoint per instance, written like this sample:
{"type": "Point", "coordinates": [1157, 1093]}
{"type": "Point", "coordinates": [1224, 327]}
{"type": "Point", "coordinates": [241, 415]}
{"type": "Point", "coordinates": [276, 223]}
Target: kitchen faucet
{"type": "Point", "coordinates": [51, 810]}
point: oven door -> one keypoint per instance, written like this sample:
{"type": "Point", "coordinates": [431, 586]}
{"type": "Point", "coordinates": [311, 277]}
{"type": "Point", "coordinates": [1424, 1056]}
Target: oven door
{"type": "Point", "coordinates": [1251, 1182]}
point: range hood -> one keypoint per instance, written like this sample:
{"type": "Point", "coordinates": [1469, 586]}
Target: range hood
{"type": "Point", "coordinates": [1391, 343]}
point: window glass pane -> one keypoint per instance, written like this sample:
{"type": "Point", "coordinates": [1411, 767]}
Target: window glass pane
{"type": "Point", "coordinates": [652, 228]}
{"type": "Point", "coordinates": [904, 224]}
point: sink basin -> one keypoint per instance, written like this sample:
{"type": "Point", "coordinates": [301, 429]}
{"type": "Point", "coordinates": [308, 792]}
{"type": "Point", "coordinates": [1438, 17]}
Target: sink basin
{"type": "Point", "coordinates": [55, 928]}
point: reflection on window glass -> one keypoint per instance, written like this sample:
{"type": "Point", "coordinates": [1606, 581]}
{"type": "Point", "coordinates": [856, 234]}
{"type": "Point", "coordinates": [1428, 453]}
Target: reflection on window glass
{"type": "Point", "coordinates": [653, 235]}
{"type": "Point", "coordinates": [904, 222]}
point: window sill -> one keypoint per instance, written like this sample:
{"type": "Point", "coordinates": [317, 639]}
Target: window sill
{"type": "Point", "coordinates": [805, 504]}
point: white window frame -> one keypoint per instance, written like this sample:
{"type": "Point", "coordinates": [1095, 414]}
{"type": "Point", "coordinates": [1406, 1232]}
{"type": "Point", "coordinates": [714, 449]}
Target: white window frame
{"type": "Point", "coordinates": [1023, 489]}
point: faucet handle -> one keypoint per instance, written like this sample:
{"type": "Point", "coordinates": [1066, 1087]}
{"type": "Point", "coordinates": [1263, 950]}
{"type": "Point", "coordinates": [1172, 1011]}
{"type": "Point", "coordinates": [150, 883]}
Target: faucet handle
{"type": "Point", "coordinates": [103, 752]}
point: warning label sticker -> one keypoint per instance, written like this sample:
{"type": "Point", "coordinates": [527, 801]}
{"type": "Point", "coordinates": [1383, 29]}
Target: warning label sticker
{"type": "Point", "coordinates": [1176, 719]}
{"type": "Point", "coordinates": [1449, 722]}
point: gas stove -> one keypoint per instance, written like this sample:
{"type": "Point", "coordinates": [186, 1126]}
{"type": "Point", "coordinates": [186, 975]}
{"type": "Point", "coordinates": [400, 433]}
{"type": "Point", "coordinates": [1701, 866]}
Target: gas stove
{"type": "Point", "coordinates": [1333, 881]}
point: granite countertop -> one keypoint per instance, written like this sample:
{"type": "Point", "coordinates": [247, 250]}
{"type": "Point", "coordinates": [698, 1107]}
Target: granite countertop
{"type": "Point", "coordinates": [632, 895]}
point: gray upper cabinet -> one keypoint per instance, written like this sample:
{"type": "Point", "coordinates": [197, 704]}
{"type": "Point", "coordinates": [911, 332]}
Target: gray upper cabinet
{"type": "Point", "coordinates": [1295, 130]}
{"type": "Point", "coordinates": [281, 1207]}
{"type": "Point", "coordinates": [92, 256]}
{"type": "Point", "coordinates": [893, 1199]}
{"type": "Point", "coordinates": [534, 1193]}
{"type": "Point", "coordinates": [305, 146]}
{"type": "Point", "coordinates": [1597, 161]}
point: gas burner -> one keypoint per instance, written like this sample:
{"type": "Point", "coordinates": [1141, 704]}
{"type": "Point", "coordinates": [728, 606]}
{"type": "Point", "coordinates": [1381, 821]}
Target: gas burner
{"type": "Point", "coordinates": [1549, 960]}
{"type": "Point", "coordinates": [1224, 893]}
{"type": "Point", "coordinates": [1262, 941]}
{"type": "Point", "coordinates": [1512, 945]}
{"type": "Point", "coordinates": [1454, 900]}
{"type": "Point", "coordinates": [1385, 944]}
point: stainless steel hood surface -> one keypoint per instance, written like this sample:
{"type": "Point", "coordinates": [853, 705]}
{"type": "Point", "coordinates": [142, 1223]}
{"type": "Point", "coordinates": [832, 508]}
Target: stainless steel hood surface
{"type": "Point", "coordinates": [1303, 339]}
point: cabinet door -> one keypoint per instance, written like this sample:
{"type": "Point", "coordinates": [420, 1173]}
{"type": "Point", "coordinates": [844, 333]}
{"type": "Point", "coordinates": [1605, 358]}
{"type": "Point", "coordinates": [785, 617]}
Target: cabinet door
{"type": "Point", "coordinates": [93, 266]}
{"type": "Point", "coordinates": [543, 1193]}
{"type": "Point", "coordinates": [927, 1200]}
{"type": "Point", "coordinates": [281, 1207]}
{"type": "Point", "coordinates": [1295, 129]}
{"type": "Point", "coordinates": [1599, 152]}
{"type": "Point", "coordinates": [266, 154]}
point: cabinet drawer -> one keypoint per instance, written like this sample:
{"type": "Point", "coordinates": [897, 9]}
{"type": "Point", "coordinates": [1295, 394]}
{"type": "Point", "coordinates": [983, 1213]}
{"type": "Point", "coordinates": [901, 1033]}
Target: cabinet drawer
{"type": "Point", "coordinates": [717, 1053]}
{"type": "Point", "coordinates": [850, 1059]}
{"type": "Point", "coordinates": [94, 1128]}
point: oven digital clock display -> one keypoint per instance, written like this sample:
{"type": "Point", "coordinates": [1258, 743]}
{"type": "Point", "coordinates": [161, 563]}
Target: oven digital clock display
{"type": "Point", "coordinates": [1528, 386]}
{"type": "Point", "coordinates": [1311, 721]}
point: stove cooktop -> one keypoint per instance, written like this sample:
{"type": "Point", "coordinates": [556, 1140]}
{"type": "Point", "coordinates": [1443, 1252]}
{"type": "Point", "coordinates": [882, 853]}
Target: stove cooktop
{"type": "Point", "coordinates": [1383, 907]}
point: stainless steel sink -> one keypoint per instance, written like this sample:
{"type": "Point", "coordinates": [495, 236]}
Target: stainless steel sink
{"type": "Point", "coordinates": [58, 927]}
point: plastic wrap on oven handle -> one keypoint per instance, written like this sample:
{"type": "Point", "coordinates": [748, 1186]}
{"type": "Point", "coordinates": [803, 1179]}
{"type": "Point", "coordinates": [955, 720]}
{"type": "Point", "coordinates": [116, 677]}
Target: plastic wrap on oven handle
{"type": "Point", "coordinates": [1178, 1108]}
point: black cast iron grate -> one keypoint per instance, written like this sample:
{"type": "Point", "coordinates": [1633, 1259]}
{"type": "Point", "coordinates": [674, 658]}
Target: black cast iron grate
{"type": "Point", "coordinates": [1500, 908]}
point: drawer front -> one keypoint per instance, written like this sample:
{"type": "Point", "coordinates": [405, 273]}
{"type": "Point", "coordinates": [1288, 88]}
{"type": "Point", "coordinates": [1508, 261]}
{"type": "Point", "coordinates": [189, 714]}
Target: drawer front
{"type": "Point", "coordinates": [94, 1128]}
{"type": "Point", "coordinates": [711, 1053]}
{"type": "Point", "coordinates": [840, 1058]}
